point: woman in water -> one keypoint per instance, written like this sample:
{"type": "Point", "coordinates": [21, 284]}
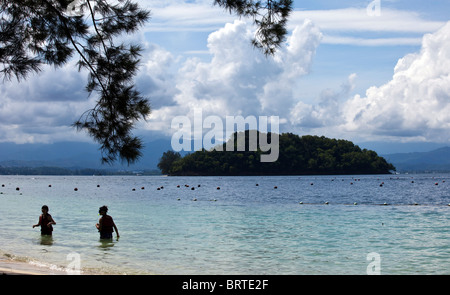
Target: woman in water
{"type": "Point", "coordinates": [45, 221]}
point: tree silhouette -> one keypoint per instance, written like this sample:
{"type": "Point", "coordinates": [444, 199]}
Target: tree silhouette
{"type": "Point", "coordinates": [38, 32]}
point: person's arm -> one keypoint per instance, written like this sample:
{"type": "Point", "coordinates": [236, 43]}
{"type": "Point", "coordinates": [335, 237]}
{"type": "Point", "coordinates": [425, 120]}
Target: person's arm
{"type": "Point", "coordinates": [39, 222]}
{"type": "Point", "coordinates": [99, 224]}
{"type": "Point", "coordinates": [116, 230]}
{"type": "Point", "coordinates": [52, 221]}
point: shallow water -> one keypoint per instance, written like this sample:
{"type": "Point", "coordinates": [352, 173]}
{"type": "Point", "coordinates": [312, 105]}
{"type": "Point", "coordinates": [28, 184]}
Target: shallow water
{"type": "Point", "coordinates": [243, 228]}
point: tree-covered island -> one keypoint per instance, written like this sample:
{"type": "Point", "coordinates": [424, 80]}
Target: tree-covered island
{"type": "Point", "coordinates": [305, 155]}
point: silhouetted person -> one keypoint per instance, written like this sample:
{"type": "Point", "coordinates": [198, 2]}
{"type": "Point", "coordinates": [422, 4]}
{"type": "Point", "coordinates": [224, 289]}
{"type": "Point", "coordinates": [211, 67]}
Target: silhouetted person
{"type": "Point", "coordinates": [106, 224]}
{"type": "Point", "coordinates": [45, 221]}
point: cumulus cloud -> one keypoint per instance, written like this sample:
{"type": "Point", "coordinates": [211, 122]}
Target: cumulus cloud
{"type": "Point", "coordinates": [327, 112]}
{"type": "Point", "coordinates": [413, 106]}
{"type": "Point", "coordinates": [240, 80]}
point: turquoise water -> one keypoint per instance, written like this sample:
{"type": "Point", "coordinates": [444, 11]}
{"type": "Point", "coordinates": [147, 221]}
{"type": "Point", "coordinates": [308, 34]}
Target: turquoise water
{"type": "Point", "coordinates": [243, 228]}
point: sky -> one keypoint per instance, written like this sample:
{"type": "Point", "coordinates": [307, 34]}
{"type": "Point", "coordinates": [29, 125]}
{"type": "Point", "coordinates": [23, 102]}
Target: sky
{"type": "Point", "coordinates": [365, 71]}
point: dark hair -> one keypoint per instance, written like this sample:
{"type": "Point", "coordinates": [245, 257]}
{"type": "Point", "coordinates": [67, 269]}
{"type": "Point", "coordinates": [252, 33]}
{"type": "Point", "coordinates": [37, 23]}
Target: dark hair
{"type": "Point", "coordinates": [103, 208]}
{"type": "Point", "coordinates": [45, 207]}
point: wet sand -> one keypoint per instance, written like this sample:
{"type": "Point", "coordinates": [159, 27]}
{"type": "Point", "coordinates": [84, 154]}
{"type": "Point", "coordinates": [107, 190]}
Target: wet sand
{"type": "Point", "coordinates": [11, 267]}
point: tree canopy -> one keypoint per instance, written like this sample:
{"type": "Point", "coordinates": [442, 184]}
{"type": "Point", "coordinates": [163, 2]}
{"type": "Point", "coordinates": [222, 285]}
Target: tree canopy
{"type": "Point", "coordinates": [38, 32]}
{"type": "Point", "coordinates": [306, 155]}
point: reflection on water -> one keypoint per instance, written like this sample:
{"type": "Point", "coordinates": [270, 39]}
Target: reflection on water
{"type": "Point", "coordinates": [46, 240]}
{"type": "Point", "coordinates": [106, 244]}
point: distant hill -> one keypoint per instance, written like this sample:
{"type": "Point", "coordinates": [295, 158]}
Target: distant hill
{"type": "Point", "coordinates": [306, 155]}
{"type": "Point", "coordinates": [436, 160]}
{"type": "Point", "coordinates": [74, 155]}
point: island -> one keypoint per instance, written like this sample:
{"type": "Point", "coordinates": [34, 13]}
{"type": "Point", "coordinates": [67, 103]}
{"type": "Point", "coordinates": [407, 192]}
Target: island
{"type": "Point", "coordinates": [298, 155]}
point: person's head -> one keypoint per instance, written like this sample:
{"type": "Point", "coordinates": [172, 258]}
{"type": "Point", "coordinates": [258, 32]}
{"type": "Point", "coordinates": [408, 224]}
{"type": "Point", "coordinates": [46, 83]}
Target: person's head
{"type": "Point", "coordinates": [45, 209]}
{"type": "Point", "coordinates": [103, 210]}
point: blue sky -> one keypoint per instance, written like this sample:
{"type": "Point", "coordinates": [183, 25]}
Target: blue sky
{"type": "Point", "coordinates": [343, 73]}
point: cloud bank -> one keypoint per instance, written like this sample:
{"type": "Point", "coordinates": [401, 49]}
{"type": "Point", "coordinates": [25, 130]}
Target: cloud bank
{"type": "Point", "coordinates": [235, 79]}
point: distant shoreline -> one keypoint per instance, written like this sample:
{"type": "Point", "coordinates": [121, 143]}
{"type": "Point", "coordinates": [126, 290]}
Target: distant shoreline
{"type": "Point", "coordinates": [157, 173]}
{"type": "Point", "coordinates": [58, 171]}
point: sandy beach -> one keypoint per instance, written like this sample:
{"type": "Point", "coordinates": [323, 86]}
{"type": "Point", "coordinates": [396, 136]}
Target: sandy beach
{"type": "Point", "coordinates": [11, 267]}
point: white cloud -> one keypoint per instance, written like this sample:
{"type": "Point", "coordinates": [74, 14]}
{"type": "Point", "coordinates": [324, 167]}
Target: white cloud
{"type": "Point", "coordinates": [353, 26]}
{"type": "Point", "coordinates": [177, 16]}
{"type": "Point", "coordinates": [240, 80]}
{"type": "Point", "coordinates": [413, 106]}
{"type": "Point", "coordinates": [357, 19]}
{"type": "Point", "coordinates": [327, 112]}
{"type": "Point", "coordinates": [416, 102]}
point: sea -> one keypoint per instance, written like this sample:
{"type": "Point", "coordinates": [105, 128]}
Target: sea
{"type": "Point", "coordinates": [275, 225]}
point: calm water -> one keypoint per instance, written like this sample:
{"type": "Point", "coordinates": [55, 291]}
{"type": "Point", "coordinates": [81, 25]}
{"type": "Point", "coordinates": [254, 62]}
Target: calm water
{"type": "Point", "coordinates": [243, 228]}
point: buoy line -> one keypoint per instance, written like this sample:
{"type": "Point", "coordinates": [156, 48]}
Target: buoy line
{"type": "Point", "coordinates": [378, 204]}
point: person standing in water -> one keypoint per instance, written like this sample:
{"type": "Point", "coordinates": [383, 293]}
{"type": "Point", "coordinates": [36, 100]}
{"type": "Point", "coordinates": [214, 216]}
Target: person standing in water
{"type": "Point", "coordinates": [45, 222]}
{"type": "Point", "coordinates": [106, 224]}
